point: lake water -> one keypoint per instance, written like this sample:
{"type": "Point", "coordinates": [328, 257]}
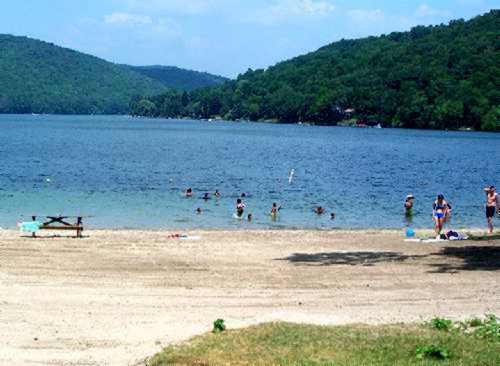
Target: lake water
{"type": "Point", "coordinates": [130, 173]}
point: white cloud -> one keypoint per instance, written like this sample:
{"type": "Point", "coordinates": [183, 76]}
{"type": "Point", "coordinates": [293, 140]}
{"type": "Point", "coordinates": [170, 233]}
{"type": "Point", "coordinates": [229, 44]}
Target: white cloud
{"type": "Point", "coordinates": [173, 6]}
{"type": "Point", "coordinates": [424, 11]}
{"type": "Point", "coordinates": [144, 25]}
{"type": "Point", "coordinates": [283, 10]}
{"type": "Point", "coordinates": [127, 19]}
{"type": "Point", "coordinates": [366, 16]}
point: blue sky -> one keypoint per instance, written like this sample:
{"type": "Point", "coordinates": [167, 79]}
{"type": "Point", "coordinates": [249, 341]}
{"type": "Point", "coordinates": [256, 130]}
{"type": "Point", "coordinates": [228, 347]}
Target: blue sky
{"type": "Point", "coordinates": [220, 36]}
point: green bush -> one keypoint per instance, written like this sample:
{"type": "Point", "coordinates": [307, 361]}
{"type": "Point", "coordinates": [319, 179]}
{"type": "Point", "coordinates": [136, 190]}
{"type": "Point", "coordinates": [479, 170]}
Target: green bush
{"type": "Point", "coordinates": [219, 326]}
{"type": "Point", "coordinates": [441, 324]}
{"type": "Point", "coordinates": [489, 329]}
{"type": "Point", "coordinates": [432, 352]}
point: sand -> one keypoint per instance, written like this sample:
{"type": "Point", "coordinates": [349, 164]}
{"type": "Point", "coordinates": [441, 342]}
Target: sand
{"type": "Point", "coordinates": [117, 297]}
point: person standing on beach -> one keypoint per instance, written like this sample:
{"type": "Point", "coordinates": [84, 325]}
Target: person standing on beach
{"type": "Point", "coordinates": [492, 206]}
{"type": "Point", "coordinates": [440, 213]}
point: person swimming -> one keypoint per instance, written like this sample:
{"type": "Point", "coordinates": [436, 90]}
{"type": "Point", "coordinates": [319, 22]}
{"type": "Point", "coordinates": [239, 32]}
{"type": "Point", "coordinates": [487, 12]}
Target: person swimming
{"type": "Point", "coordinates": [189, 192]}
{"type": "Point", "coordinates": [217, 194]}
{"type": "Point", "coordinates": [199, 211]}
{"type": "Point", "coordinates": [240, 208]}
{"type": "Point", "coordinates": [332, 216]}
{"type": "Point", "coordinates": [206, 197]}
{"type": "Point", "coordinates": [275, 209]}
{"type": "Point", "coordinates": [441, 211]}
{"type": "Point", "coordinates": [243, 195]}
{"type": "Point", "coordinates": [319, 210]}
{"type": "Point", "coordinates": [249, 217]}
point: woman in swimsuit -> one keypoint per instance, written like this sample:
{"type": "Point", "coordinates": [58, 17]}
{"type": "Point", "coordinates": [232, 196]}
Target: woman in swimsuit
{"type": "Point", "coordinates": [440, 213]}
{"type": "Point", "coordinates": [274, 211]}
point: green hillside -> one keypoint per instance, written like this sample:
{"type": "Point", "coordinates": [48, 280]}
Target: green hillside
{"type": "Point", "coordinates": [440, 77]}
{"type": "Point", "coordinates": [179, 79]}
{"type": "Point", "coordinates": [40, 77]}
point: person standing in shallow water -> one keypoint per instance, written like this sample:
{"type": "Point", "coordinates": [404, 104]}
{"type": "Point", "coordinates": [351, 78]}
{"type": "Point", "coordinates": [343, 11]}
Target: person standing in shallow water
{"type": "Point", "coordinates": [492, 206]}
{"type": "Point", "coordinates": [240, 208]}
{"type": "Point", "coordinates": [409, 208]}
{"type": "Point", "coordinates": [440, 213]}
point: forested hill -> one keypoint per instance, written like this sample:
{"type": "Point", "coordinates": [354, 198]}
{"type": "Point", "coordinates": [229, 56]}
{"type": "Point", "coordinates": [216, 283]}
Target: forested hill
{"type": "Point", "coordinates": [440, 77]}
{"type": "Point", "coordinates": [179, 79]}
{"type": "Point", "coordinates": [39, 77]}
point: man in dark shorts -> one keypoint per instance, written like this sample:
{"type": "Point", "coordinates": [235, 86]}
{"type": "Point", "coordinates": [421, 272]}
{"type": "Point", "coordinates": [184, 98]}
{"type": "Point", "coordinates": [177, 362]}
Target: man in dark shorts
{"type": "Point", "coordinates": [492, 205]}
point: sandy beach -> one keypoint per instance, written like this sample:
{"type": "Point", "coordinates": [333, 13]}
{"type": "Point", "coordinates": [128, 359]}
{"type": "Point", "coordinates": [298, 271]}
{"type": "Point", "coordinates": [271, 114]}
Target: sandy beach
{"type": "Point", "coordinates": [117, 297]}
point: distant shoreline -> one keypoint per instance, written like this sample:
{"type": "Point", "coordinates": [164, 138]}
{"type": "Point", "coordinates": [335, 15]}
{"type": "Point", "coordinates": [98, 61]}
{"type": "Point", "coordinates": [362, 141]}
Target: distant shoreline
{"type": "Point", "coordinates": [215, 120]}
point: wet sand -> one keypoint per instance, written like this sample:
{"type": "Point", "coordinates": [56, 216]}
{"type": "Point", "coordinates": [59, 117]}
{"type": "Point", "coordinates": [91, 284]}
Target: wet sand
{"type": "Point", "coordinates": [116, 297]}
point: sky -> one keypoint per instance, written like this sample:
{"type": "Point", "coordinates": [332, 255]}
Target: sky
{"type": "Point", "coordinates": [224, 37]}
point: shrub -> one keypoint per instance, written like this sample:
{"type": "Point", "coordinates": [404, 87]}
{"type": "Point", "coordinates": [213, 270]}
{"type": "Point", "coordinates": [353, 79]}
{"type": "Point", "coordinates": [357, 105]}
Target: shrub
{"type": "Point", "coordinates": [432, 351]}
{"type": "Point", "coordinates": [489, 329]}
{"type": "Point", "coordinates": [219, 326]}
{"type": "Point", "coordinates": [441, 324]}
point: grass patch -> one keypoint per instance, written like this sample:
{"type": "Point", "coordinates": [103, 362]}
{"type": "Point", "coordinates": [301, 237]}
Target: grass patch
{"type": "Point", "coordinates": [306, 345]}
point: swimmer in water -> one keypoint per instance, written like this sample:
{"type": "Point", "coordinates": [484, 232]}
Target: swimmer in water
{"type": "Point", "coordinates": [199, 211]}
{"type": "Point", "coordinates": [243, 195]}
{"type": "Point", "coordinates": [408, 205]}
{"type": "Point", "coordinates": [217, 194]}
{"type": "Point", "coordinates": [249, 217]}
{"type": "Point", "coordinates": [189, 192]}
{"type": "Point", "coordinates": [440, 213]}
{"type": "Point", "coordinates": [332, 216]}
{"type": "Point", "coordinates": [275, 209]}
{"type": "Point", "coordinates": [206, 197]}
{"type": "Point", "coordinates": [240, 207]}
{"type": "Point", "coordinates": [319, 210]}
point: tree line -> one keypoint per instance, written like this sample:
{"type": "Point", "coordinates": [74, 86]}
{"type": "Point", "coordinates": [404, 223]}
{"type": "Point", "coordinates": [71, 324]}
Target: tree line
{"type": "Point", "coordinates": [436, 77]}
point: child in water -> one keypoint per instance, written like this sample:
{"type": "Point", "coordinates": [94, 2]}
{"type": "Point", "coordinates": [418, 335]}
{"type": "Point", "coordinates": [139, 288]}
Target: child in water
{"type": "Point", "coordinates": [274, 210]}
{"type": "Point", "coordinates": [240, 208]}
{"type": "Point", "coordinates": [319, 210]}
{"type": "Point", "coordinates": [189, 192]}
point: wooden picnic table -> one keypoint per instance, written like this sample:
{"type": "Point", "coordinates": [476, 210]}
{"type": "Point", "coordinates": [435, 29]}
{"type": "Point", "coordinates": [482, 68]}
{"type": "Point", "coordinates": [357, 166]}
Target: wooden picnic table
{"type": "Point", "coordinates": [62, 223]}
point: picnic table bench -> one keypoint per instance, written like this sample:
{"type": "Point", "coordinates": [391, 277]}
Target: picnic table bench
{"type": "Point", "coordinates": [62, 223]}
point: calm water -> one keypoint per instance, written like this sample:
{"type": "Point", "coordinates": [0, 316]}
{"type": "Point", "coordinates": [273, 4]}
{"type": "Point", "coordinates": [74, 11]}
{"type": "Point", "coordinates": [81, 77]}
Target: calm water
{"type": "Point", "coordinates": [129, 173]}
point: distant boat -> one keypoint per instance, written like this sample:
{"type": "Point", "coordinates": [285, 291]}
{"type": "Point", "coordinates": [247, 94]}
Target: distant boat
{"type": "Point", "coordinates": [378, 125]}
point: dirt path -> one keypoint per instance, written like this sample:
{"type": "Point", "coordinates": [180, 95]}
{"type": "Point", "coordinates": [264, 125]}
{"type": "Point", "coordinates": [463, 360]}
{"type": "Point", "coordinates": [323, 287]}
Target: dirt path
{"type": "Point", "coordinates": [117, 297]}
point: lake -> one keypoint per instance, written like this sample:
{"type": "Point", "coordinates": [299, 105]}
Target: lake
{"type": "Point", "coordinates": [130, 173]}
